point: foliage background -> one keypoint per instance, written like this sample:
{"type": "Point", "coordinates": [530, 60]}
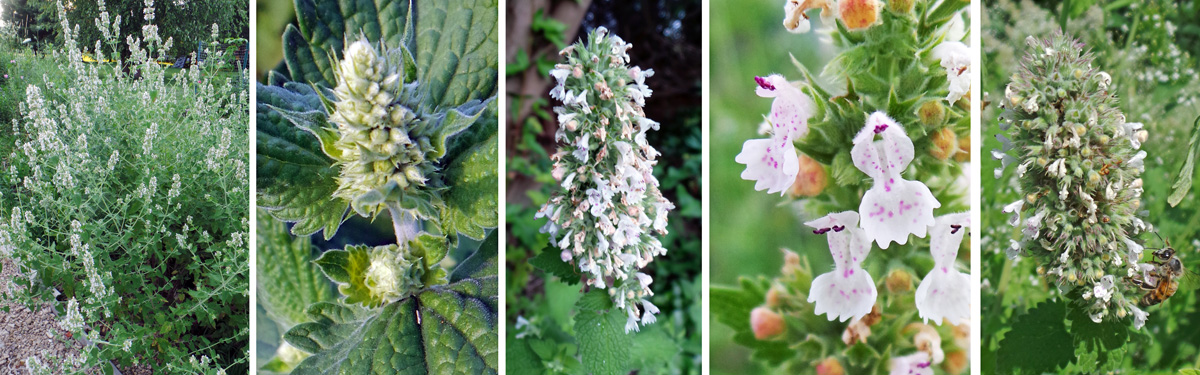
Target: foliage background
{"type": "Point", "coordinates": [1142, 44]}
{"type": "Point", "coordinates": [666, 37]}
{"type": "Point", "coordinates": [186, 21]}
{"type": "Point", "coordinates": [176, 301]}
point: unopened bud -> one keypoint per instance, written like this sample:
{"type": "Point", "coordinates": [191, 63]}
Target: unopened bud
{"type": "Point", "coordinates": [945, 144]}
{"type": "Point", "coordinates": [765, 323]}
{"type": "Point", "coordinates": [932, 113]}
{"type": "Point", "coordinates": [858, 14]}
{"type": "Point", "coordinates": [811, 180]}
{"type": "Point", "coordinates": [898, 281]}
{"type": "Point", "coordinates": [901, 6]}
{"type": "Point", "coordinates": [956, 362]}
{"type": "Point", "coordinates": [830, 366]}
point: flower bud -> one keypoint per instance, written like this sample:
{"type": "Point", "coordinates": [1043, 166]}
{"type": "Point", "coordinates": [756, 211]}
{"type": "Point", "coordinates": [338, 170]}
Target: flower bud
{"type": "Point", "coordinates": [945, 144]}
{"type": "Point", "coordinates": [811, 180]}
{"type": "Point", "coordinates": [956, 362]}
{"type": "Point", "coordinates": [858, 14]}
{"type": "Point", "coordinates": [830, 366]}
{"type": "Point", "coordinates": [766, 323]}
{"type": "Point", "coordinates": [932, 113]}
{"type": "Point", "coordinates": [774, 295]}
{"type": "Point", "coordinates": [898, 281]}
{"type": "Point", "coordinates": [964, 149]}
{"type": "Point", "coordinates": [791, 262]}
{"type": "Point", "coordinates": [901, 6]}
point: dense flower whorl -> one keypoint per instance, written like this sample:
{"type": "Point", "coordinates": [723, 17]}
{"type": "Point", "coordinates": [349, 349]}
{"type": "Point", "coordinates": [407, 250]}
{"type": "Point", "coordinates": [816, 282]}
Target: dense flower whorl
{"type": "Point", "coordinates": [894, 207]}
{"type": "Point", "coordinates": [380, 139]}
{"type": "Point", "coordinates": [1079, 170]}
{"type": "Point", "coordinates": [606, 215]}
{"type": "Point", "coordinates": [848, 291]}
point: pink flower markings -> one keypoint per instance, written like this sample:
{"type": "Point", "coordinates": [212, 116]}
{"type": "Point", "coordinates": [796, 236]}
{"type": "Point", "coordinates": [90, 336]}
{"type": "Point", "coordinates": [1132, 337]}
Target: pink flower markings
{"type": "Point", "coordinates": [848, 291]}
{"type": "Point", "coordinates": [913, 364]}
{"type": "Point", "coordinates": [772, 162]}
{"type": "Point", "coordinates": [894, 207]}
{"type": "Point", "coordinates": [945, 292]}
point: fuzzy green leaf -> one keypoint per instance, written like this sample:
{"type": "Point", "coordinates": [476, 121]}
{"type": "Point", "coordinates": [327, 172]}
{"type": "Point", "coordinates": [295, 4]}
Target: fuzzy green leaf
{"type": "Point", "coordinates": [604, 347]}
{"type": "Point", "coordinates": [295, 177]}
{"type": "Point", "coordinates": [471, 203]}
{"type": "Point", "coordinates": [348, 268]}
{"type": "Point", "coordinates": [1102, 338]}
{"type": "Point", "coordinates": [550, 261]}
{"type": "Point", "coordinates": [443, 329]}
{"type": "Point", "coordinates": [454, 122]}
{"type": "Point", "coordinates": [1038, 343]}
{"type": "Point", "coordinates": [288, 281]}
{"type": "Point", "coordinates": [1183, 180]}
{"type": "Point", "coordinates": [732, 308]}
{"type": "Point", "coordinates": [520, 357]}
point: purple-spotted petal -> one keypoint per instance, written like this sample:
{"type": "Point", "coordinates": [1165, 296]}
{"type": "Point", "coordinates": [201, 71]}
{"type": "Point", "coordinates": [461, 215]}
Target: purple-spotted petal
{"type": "Point", "coordinates": [945, 292]}
{"type": "Point", "coordinates": [772, 166]}
{"type": "Point", "coordinates": [843, 294]}
{"type": "Point", "coordinates": [913, 364]}
{"type": "Point", "coordinates": [790, 110]}
{"type": "Point", "coordinates": [887, 156]}
{"type": "Point", "coordinates": [946, 237]}
{"type": "Point", "coordinates": [848, 291]}
{"type": "Point", "coordinates": [895, 208]}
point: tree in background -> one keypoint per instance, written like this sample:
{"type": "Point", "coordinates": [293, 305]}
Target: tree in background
{"type": "Point", "coordinates": [31, 19]}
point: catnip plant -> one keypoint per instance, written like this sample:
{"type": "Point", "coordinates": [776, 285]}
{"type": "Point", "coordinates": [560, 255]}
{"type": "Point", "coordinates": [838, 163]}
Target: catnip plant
{"type": "Point", "coordinates": [395, 125]}
{"type": "Point", "coordinates": [1078, 162]}
{"type": "Point", "coordinates": [610, 209]}
{"type": "Point", "coordinates": [891, 143]}
{"type": "Point", "coordinates": [125, 205]}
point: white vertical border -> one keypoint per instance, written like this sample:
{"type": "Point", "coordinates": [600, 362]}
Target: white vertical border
{"type": "Point", "coordinates": [705, 192]}
{"type": "Point", "coordinates": [501, 195]}
{"type": "Point", "coordinates": [253, 193]}
{"type": "Point", "coordinates": [976, 183]}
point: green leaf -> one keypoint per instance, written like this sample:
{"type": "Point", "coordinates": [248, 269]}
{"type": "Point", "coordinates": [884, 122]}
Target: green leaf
{"type": "Point", "coordinates": [550, 261]}
{"type": "Point", "coordinates": [288, 282]}
{"type": "Point", "coordinates": [860, 354]}
{"type": "Point", "coordinates": [1183, 180]}
{"type": "Point", "coordinates": [348, 269]}
{"type": "Point", "coordinates": [519, 356]}
{"type": "Point", "coordinates": [732, 308]}
{"type": "Point", "coordinates": [1102, 338]}
{"type": "Point", "coordinates": [604, 346]}
{"type": "Point", "coordinates": [296, 179]}
{"type": "Point", "coordinates": [471, 203]}
{"type": "Point", "coordinates": [443, 329]}
{"type": "Point", "coordinates": [1038, 342]}
{"type": "Point", "coordinates": [454, 121]}
{"type": "Point", "coordinates": [653, 349]}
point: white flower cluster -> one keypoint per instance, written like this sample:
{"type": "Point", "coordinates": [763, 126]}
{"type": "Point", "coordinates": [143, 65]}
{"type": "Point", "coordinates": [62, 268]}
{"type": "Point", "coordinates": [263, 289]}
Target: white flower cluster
{"type": "Point", "coordinates": [605, 218]}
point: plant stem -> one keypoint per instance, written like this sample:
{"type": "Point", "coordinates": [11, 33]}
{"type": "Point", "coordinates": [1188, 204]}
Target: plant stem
{"type": "Point", "coordinates": [404, 222]}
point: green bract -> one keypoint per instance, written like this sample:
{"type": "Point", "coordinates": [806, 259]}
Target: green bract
{"type": "Point", "coordinates": [393, 109]}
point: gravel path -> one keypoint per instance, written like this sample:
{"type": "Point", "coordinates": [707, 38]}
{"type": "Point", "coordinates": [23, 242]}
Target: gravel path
{"type": "Point", "coordinates": [25, 333]}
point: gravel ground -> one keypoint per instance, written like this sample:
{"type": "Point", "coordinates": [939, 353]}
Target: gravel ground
{"type": "Point", "coordinates": [26, 333]}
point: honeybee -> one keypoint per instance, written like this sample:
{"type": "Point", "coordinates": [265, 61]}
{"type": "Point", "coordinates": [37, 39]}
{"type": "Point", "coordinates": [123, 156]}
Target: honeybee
{"type": "Point", "coordinates": [1161, 277]}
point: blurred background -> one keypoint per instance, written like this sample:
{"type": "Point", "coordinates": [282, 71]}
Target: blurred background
{"type": "Point", "coordinates": [748, 226]}
{"type": "Point", "coordinates": [666, 37]}
{"type": "Point", "coordinates": [1150, 49]}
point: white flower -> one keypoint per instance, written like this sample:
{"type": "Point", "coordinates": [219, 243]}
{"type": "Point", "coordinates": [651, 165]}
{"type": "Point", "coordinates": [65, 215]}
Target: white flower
{"type": "Point", "coordinates": [847, 292]}
{"type": "Point", "coordinates": [1014, 209]}
{"type": "Point", "coordinates": [945, 292]}
{"type": "Point", "coordinates": [1131, 131]}
{"type": "Point", "coordinates": [956, 59]}
{"type": "Point", "coordinates": [913, 364]}
{"type": "Point", "coordinates": [773, 162]}
{"type": "Point", "coordinates": [649, 310]}
{"type": "Point", "coordinates": [1105, 288]}
{"type": "Point", "coordinates": [581, 152]}
{"type": "Point", "coordinates": [631, 324]}
{"type": "Point", "coordinates": [894, 207]}
{"type": "Point", "coordinates": [794, 19]}
{"type": "Point", "coordinates": [1139, 317]}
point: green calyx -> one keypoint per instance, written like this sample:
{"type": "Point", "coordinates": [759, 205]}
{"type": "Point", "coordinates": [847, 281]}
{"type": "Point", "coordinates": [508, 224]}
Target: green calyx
{"type": "Point", "coordinates": [373, 276]}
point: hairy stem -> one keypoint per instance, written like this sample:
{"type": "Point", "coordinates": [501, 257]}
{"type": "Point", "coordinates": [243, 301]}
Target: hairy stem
{"type": "Point", "coordinates": [405, 223]}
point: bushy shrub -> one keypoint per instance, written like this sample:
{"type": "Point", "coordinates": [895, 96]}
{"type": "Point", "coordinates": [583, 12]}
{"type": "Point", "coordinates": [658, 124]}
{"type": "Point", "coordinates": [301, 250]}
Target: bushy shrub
{"type": "Point", "coordinates": [125, 202]}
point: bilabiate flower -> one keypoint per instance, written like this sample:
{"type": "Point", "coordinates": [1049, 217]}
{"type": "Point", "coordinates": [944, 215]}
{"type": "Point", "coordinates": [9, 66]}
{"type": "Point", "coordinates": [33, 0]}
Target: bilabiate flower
{"type": "Point", "coordinates": [956, 59]}
{"type": "Point", "coordinates": [847, 292]}
{"type": "Point", "coordinates": [794, 19]}
{"type": "Point", "coordinates": [773, 162]}
{"type": "Point", "coordinates": [894, 207]}
{"type": "Point", "coordinates": [1139, 316]}
{"type": "Point", "coordinates": [913, 364]}
{"type": "Point", "coordinates": [945, 292]}
{"type": "Point", "coordinates": [1104, 289]}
